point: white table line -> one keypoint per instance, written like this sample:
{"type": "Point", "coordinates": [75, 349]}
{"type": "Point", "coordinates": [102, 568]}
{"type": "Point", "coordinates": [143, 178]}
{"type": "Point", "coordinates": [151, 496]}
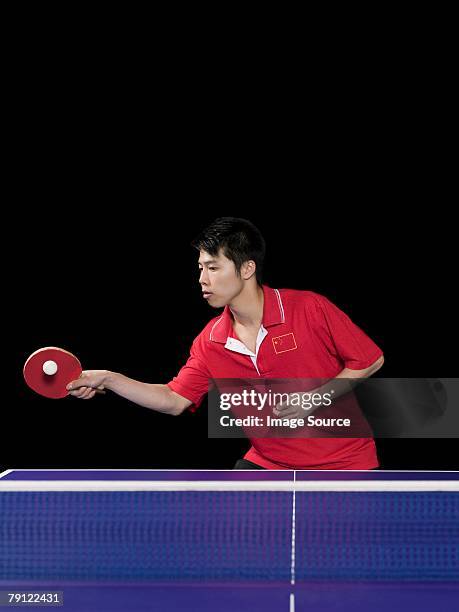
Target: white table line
{"type": "Point", "coordinates": [292, 565]}
{"type": "Point", "coordinates": [402, 486]}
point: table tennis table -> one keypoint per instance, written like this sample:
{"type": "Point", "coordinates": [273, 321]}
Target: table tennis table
{"type": "Point", "coordinates": [274, 541]}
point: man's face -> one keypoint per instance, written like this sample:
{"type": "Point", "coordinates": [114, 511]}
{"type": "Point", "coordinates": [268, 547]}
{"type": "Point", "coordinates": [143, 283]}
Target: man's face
{"type": "Point", "coordinates": [219, 281]}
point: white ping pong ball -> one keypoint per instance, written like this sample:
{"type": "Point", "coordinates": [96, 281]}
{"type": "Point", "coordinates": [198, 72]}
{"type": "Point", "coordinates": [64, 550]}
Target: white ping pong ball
{"type": "Point", "coordinates": [50, 367]}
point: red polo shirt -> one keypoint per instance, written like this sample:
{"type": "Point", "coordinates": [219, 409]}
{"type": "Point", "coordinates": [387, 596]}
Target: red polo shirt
{"type": "Point", "coordinates": [303, 335]}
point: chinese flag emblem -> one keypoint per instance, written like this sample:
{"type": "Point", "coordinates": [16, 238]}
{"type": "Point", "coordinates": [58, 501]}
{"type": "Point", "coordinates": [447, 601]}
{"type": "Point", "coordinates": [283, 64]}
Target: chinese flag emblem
{"type": "Point", "coordinates": [284, 343]}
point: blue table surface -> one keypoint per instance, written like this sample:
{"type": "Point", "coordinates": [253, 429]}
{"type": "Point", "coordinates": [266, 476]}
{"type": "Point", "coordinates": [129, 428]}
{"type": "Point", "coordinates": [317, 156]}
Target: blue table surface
{"type": "Point", "coordinates": [242, 597]}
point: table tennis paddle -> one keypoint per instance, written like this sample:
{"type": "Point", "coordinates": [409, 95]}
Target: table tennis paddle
{"type": "Point", "coordinates": [49, 370]}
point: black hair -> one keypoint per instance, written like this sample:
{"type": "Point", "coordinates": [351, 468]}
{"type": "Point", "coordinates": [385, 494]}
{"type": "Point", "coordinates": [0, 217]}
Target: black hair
{"type": "Point", "coordinates": [239, 239]}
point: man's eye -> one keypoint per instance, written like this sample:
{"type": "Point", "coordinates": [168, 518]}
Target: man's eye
{"type": "Point", "coordinates": [212, 268]}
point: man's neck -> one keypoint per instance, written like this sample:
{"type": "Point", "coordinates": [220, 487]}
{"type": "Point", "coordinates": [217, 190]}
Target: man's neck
{"type": "Point", "coordinates": [247, 308]}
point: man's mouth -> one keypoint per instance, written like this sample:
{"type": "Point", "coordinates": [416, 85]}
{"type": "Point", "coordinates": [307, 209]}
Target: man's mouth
{"type": "Point", "coordinates": [206, 294]}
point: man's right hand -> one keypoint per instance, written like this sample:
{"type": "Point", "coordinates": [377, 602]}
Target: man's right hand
{"type": "Point", "coordinates": [87, 385]}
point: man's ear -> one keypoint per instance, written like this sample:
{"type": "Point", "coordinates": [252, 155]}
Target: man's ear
{"type": "Point", "coordinates": [248, 269]}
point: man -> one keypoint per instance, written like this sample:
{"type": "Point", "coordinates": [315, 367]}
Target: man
{"type": "Point", "coordinates": [263, 332]}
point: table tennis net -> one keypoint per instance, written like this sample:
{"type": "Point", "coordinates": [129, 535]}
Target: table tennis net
{"type": "Point", "coordinates": [229, 535]}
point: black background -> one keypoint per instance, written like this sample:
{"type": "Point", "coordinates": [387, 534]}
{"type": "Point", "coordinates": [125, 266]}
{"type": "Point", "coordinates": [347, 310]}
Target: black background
{"type": "Point", "coordinates": [126, 299]}
{"type": "Point", "coordinates": [113, 171]}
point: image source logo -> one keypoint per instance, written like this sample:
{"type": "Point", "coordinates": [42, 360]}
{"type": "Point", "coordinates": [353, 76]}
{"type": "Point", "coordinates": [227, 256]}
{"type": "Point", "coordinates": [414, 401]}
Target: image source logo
{"type": "Point", "coordinates": [284, 343]}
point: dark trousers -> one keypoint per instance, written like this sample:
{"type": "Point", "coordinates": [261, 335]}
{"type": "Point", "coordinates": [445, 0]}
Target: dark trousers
{"type": "Point", "coordinates": [243, 464]}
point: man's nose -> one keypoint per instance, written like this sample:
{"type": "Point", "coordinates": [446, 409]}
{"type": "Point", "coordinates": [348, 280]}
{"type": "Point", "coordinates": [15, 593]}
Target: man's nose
{"type": "Point", "coordinates": [203, 279]}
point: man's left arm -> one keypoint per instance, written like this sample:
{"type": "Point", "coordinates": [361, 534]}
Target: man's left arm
{"type": "Point", "coordinates": [343, 383]}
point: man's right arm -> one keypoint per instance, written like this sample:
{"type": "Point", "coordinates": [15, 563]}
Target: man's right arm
{"type": "Point", "coordinates": [155, 397]}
